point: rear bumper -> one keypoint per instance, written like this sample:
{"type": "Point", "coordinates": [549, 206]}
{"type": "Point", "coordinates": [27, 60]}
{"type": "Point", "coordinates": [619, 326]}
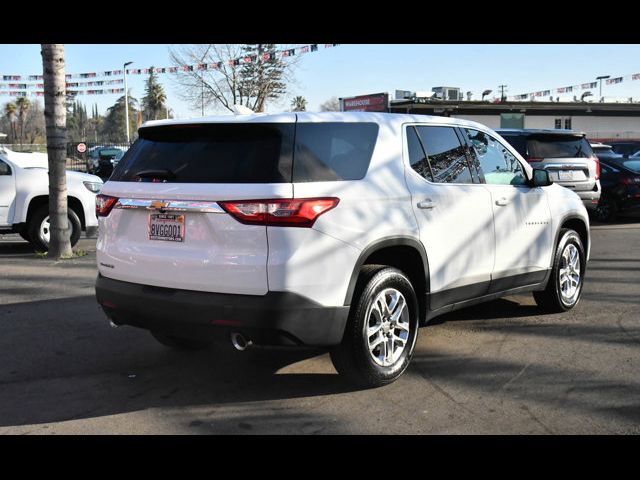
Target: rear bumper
{"type": "Point", "coordinates": [277, 318]}
{"type": "Point", "coordinates": [589, 199]}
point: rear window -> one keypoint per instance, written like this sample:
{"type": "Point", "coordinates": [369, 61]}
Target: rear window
{"type": "Point", "coordinates": [633, 165]}
{"type": "Point", "coordinates": [333, 151]}
{"type": "Point", "coordinates": [556, 146]}
{"type": "Point", "coordinates": [518, 142]}
{"type": "Point", "coordinates": [250, 153]}
{"type": "Point", "coordinates": [211, 153]}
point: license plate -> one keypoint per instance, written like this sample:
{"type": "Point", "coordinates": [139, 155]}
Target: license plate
{"type": "Point", "coordinates": [166, 226]}
{"type": "Point", "coordinates": [565, 175]}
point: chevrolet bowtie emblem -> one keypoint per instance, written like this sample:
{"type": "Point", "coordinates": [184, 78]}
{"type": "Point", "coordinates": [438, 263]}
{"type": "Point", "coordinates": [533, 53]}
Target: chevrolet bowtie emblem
{"type": "Point", "coordinates": [158, 204]}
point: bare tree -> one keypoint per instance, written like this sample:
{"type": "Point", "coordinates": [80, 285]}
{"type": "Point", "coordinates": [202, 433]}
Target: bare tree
{"type": "Point", "coordinates": [55, 118]}
{"type": "Point", "coordinates": [331, 105]}
{"type": "Point", "coordinates": [251, 83]}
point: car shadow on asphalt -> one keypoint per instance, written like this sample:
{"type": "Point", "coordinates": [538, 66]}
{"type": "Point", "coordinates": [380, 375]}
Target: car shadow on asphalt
{"type": "Point", "coordinates": [60, 360]}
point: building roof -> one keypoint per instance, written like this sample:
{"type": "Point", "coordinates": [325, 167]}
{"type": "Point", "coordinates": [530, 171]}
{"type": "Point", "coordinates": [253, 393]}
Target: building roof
{"type": "Point", "coordinates": [476, 107]}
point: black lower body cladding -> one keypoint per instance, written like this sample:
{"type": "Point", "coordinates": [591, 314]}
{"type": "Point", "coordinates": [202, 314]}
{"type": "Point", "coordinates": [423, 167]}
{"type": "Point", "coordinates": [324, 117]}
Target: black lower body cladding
{"type": "Point", "coordinates": [277, 318]}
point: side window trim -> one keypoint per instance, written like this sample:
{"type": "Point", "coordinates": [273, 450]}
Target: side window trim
{"type": "Point", "coordinates": [424, 152]}
{"type": "Point", "coordinates": [476, 173]}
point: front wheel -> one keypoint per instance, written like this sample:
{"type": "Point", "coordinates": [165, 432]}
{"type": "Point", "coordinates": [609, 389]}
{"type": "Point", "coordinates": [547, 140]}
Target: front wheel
{"type": "Point", "coordinates": [567, 275]}
{"type": "Point", "coordinates": [39, 228]}
{"type": "Point", "coordinates": [382, 329]}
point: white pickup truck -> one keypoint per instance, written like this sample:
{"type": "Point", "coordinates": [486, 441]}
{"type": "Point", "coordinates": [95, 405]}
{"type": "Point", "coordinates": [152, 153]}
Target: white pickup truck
{"type": "Point", "coordinates": [24, 198]}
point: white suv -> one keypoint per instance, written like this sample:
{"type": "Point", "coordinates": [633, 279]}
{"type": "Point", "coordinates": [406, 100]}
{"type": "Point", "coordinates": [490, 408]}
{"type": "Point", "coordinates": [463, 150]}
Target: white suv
{"type": "Point", "coordinates": [24, 198]}
{"type": "Point", "coordinates": [344, 230]}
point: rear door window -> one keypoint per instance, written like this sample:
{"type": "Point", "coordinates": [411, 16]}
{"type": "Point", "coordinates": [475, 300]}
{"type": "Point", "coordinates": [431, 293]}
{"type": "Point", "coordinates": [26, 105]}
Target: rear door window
{"type": "Point", "coordinates": [447, 155]}
{"type": "Point", "coordinates": [211, 153]}
{"type": "Point", "coordinates": [557, 146]}
{"type": "Point", "coordinates": [333, 151]}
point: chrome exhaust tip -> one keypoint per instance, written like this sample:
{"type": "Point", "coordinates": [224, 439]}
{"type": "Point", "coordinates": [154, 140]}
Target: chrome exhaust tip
{"type": "Point", "coordinates": [239, 342]}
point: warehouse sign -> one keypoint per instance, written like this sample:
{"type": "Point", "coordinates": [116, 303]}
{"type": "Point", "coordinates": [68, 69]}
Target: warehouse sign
{"type": "Point", "coordinates": [377, 102]}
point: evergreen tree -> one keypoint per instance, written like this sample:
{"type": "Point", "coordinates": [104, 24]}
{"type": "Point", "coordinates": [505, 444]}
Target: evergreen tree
{"type": "Point", "coordinates": [113, 128]}
{"type": "Point", "coordinates": [263, 78]}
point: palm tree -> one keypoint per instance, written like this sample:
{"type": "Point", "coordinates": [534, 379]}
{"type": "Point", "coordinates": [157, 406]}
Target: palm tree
{"type": "Point", "coordinates": [10, 110]}
{"type": "Point", "coordinates": [55, 114]}
{"type": "Point", "coordinates": [299, 104]}
{"type": "Point", "coordinates": [23, 107]}
{"type": "Point", "coordinates": [153, 101]}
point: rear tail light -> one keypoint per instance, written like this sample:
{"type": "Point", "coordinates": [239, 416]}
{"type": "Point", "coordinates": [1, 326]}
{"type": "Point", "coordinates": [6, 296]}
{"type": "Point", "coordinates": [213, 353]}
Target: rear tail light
{"type": "Point", "coordinates": [597, 160]}
{"type": "Point", "coordinates": [630, 180]}
{"type": "Point", "coordinates": [534, 159]}
{"type": "Point", "coordinates": [104, 204]}
{"type": "Point", "coordinates": [291, 212]}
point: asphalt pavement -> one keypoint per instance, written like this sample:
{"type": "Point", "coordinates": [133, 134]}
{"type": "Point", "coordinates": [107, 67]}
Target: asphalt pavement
{"type": "Point", "coordinates": [498, 368]}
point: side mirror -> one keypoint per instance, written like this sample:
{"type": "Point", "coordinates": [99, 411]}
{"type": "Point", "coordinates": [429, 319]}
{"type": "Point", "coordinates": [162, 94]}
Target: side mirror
{"type": "Point", "coordinates": [540, 178]}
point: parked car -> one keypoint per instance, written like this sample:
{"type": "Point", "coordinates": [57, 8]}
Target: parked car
{"type": "Point", "coordinates": [625, 147]}
{"type": "Point", "coordinates": [605, 152]}
{"type": "Point", "coordinates": [108, 158]}
{"type": "Point", "coordinates": [565, 154]}
{"type": "Point", "coordinates": [98, 167]}
{"type": "Point", "coordinates": [338, 230]}
{"type": "Point", "coordinates": [24, 198]}
{"type": "Point", "coordinates": [620, 188]}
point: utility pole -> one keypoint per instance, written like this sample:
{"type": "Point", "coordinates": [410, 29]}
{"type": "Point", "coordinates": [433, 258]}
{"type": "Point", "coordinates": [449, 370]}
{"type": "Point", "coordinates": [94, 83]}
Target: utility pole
{"type": "Point", "coordinates": [502, 90]}
{"type": "Point", "coordinates": [126, 100]}
{"type": "Point", "coordinates": [600, 78]}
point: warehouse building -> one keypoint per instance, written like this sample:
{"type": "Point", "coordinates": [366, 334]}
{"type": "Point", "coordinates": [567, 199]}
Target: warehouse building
{"type": "Point", "coordinates": [601, 121]}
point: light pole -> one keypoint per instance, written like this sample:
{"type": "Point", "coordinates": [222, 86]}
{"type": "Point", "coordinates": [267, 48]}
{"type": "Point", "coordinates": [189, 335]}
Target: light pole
{"type": "Point", "coordinates": [126, 100]}
{"type": "Point", "coordinates": [602, 77]}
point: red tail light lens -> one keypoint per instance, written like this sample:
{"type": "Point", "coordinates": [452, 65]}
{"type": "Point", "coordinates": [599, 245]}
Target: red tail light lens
{"type": "Point", "coordinates": [534, 159]}
{"type": "Point", "coordinates": [630, 180]}
{"type": "Point", "coordinates": [597, 160]}
{"type": "Point", "coordinates": [104, 204]}
{"type": "Point", "coordinates": [291, 212]}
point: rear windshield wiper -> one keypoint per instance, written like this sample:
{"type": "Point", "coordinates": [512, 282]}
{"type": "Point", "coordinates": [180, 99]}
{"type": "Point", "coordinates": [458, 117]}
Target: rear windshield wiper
{"type": "Point", "coordinates": [165, 173]}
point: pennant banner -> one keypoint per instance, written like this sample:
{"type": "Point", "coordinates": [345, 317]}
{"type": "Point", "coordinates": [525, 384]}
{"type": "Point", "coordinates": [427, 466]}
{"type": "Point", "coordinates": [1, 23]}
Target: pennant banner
{"type": "Point", "coordinates": [573, 88]}
{"type": "Point", "coordinates": [22, 89]}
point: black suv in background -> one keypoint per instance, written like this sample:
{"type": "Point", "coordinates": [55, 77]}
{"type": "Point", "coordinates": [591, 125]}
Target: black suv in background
{"type": "Point", "coordinates": [565, 154]}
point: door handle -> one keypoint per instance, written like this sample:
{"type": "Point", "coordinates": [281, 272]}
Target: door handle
{"type": "Point", "coordinates": [426, 204]}
{"type": "Point", "coordinates": [502, 202]}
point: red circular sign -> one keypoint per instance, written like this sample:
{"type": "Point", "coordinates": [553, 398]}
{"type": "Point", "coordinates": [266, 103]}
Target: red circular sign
{"type": "Point", "coordinates": [82, 147]}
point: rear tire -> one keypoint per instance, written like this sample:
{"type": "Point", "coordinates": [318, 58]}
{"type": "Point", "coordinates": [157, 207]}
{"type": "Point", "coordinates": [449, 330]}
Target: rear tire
{"type": "Point", "coordinates": [567, 275]}
{"type": "Point", "coordinates": [381, 331]}
{"type": "Point", "coordinates": [179, 343]}
{"type": "Point", "coordinates": [37, 227]}
{"type": "Point", "coordinates": [607, 210]}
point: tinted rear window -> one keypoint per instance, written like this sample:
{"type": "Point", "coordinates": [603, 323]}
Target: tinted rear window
{"type": "Point", "coordinates": [518, 142]}
{"type": "Point", "coordinates": [633, 165]}
{"type": "Point", "coordinates": [555, 146]}
{"type": "Point", "coordinates": [213, 153]}
{"type": "Point", "coordinates": [333, 151]}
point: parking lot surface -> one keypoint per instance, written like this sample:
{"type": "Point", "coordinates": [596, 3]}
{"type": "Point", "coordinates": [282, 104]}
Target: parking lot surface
{"type": "Point", "coordinates": [497, 368]}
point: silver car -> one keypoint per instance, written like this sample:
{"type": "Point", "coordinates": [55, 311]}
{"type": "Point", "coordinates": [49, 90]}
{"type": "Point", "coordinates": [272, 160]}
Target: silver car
{"type": "Point", "coordinates": [565, 154]}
